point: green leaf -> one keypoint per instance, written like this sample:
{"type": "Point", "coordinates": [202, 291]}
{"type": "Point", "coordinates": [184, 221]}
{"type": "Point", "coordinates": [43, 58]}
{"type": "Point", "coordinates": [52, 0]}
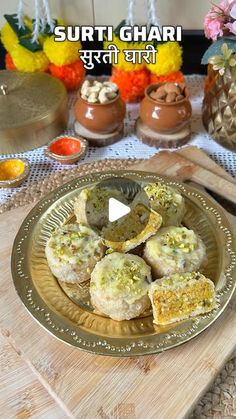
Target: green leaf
{"type": "Point", "coordinates": [117, 32]}
{"type": "Point", "coordinates": [225, 49]}
{"type": "Point", "coordinates": [226, 52]}
{"type": "Point", "coordinates": [28, 44]}
{"type": "Point", "coordinates": [117, 29]}
{"type": "Point", "coordinates": [13, 22]}
{"type": "Point", "coordinates": [215, 48]}
{"type": "Point", "coordinates": [47, 30]}
{"type": "Point", "coordinates": [216, 59]}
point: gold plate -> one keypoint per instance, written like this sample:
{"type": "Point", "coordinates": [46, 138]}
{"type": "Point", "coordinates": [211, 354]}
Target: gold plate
{"type": "Point", "coordinates": [33, 110]}
{"type": "Point", "coordinates": [67, 313]}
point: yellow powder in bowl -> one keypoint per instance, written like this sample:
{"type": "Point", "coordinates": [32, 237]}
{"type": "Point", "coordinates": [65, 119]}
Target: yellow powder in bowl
{"type": "Point", "coordinates": [11, 169]}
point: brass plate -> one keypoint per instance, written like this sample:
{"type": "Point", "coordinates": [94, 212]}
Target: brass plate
{"type": "Point", "coordinates": [77, 324]}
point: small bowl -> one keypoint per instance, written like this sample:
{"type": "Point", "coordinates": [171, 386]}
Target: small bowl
{"type": "Point", "coordinates": [13, 172]}
{"type": "Point", "coordinates": [66, 149]}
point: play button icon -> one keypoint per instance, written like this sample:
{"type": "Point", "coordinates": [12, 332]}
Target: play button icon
{"type": "Point", "coordinates": [109, 208]}
{"type": "Point", "coordinates": [117, 210]}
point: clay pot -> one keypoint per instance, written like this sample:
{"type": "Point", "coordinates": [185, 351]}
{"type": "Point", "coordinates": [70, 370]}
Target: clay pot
{"type": "Point", "coordinates": [101, 118]}
{"type": "Point", "coordinates": [162, 116]}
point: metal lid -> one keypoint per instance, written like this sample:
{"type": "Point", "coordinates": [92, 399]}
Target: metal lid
{"type": "Point", "coordinates": [27, 97]}
{"type": "Point", "coordinates": [28, 102]}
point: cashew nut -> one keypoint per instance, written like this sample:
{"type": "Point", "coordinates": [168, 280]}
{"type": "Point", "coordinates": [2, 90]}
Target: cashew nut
{"type": "Point", "coordinates": [85, 97]}
{"type": "Point", "coordinates": [111, 95]}
{"type": "Point", "coordinates": [97, 84]}
{"type": "Point", "coordinates": [111, 85]}
{"type": "Point", "coordinates": [93, 97]}
{"type": "Point", "coordinates": [106, 94]}
{"type": "Point", "coordinates": [85, 86]}
{"type": "Point", "coordinates": [95, 89]}
{"type": "Point", "coordinates": [98, 92]}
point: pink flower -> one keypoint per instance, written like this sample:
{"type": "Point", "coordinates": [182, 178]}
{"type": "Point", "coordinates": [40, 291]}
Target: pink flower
{"type": "Point", "coordinates": [225, 6]}
{"type": "Point", "coordinates": [220, 18]}
{"type": "Point", "coordinates": [213, 26]}
{"type": "Point", "coordinates": [231, 27]}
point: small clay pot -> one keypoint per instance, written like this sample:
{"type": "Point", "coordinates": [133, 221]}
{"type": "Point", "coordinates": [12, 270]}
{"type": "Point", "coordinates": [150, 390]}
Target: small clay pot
{"type": "Point", "coordinates": [100, 118]}
{"type": "Point", "coordinates": [163, 116]}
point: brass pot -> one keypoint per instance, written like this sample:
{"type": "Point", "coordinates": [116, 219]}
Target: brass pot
{"type": "Point", "coordinates": [219, 107]}
{"type": "Point", "coordinates": [164, 117]}
{"type": "Point", "coordinates": [101, 118]}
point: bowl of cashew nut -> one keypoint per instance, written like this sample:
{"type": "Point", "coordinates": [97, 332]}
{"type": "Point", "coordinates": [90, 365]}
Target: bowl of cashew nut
{"type": "Point", "coordinates": [99, 107]}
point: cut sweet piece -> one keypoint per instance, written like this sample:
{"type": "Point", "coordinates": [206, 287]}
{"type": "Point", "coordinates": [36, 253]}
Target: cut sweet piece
{"type": "Point", "coordinates": [181, 296]}
{"type": "Point", "coordinates": [130, 231]}
{"type": "Point", "coordinates": [91, 206]}
{"type": "Point", "coordinates": [166, 201]}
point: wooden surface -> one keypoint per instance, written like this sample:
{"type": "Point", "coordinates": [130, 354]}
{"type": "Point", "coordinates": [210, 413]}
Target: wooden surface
{"type": "Point", "coordinates": [82, 385]}
{"type": "Point", "coordinates": [197, 156]}
{"type": "Point", "coordinates": [162, 140]}
{"type": "Point", "coordinates": [99, 140]}
{"type": "Point", "coordinates": [21, 393]}
{"type": "Point", "coordinates": [178, 166]}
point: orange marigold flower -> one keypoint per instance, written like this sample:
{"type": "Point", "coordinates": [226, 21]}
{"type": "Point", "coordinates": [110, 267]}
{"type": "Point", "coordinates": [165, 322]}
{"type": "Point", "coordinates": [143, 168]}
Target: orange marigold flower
{"type": "Point", "coordinates": [176, 77]}
{"type": "Point", "coordinates": [132, 84]}
{"type": "Point", "coordinates": [9, 64]}
{"type": "Point", "coordinates": [72, 75]}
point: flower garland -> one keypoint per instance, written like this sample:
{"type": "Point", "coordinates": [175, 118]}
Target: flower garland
{"type": "Point", "coordinates": [29, 54]}
{"type": "Point", "coordinates": [132, 84]}
{"type": "Point", "coordinates": [72, 75]}
{"type": "Point", "coordinates": [168, 59]}
{"type": "Point", "coordinates": [28, 61]}
{"type": "Point", "coordinates": [133, 79]}
{"type": "Point", "coordinates": [61, 53]}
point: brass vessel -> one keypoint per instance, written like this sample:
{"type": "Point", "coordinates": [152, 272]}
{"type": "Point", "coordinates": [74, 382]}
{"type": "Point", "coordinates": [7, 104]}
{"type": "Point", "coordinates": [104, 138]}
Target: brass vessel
{"type": "Point", "coordinates": [219, 107]}
{"type": "Point", "coordinates": [33, 110]}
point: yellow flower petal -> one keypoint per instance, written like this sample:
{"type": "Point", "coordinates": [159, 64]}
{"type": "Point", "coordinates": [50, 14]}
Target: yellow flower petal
{"type": "Point", "coordinates": [168, 59]}
{"type": "Point", "coordinates": [61, 53]}
{"type": "Point", "coordinates": [121, 45]}
{"type": "Point", "coordinates": [8, 38]}
{"type": "Point", "coordinates": [28, 61]}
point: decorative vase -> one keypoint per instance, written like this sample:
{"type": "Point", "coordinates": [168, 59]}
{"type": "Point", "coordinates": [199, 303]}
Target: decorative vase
{"type": "Point", "coordinates": [219, 106]}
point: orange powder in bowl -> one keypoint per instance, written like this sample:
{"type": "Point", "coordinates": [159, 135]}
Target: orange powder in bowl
{"type": "Point", "coordinates": [65, 146]}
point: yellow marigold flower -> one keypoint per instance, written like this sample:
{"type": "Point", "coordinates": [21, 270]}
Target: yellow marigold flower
{"type": "Point", "coordinates": [28, 61]}
{"type": "Point", "coordinates": [8, 37]}
{"type": "Point", "coordinates": [168, 59]}
{"type": "Point", "coordinates": [61, 53]}
{"type": "Point", "coordinates": [121, 45]}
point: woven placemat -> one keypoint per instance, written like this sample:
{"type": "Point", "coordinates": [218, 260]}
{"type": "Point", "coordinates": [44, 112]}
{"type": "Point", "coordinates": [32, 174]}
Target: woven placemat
{"type": "Point", "coordinates": [39, 189]}
{"type": "Point", "coordinates": [220, 401]}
